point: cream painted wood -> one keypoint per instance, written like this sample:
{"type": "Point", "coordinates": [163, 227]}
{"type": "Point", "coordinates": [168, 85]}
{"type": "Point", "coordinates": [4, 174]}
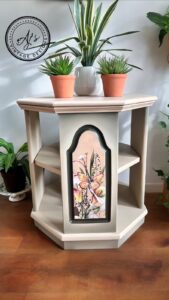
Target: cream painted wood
{"type": "Point", "coordinates": [49, 220]}
{"type": "Point", "coordinates": [86, 104]}
{"type": "Point", "coordinates": [68, 127]}
{"type": "Point", "coordinates": [139, 135]}
{"type": "Point", "coordinates": [34, 142]}
{"type": "Point", "coordinates": [127, 157]}
{"type": "Point", "coordinates": [50, 209]}
{"type": "Point", "coordinates": [49, 158]}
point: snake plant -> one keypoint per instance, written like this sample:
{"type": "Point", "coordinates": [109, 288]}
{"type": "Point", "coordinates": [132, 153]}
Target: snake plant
{"type": "Point", "coordinates": [90, 24]}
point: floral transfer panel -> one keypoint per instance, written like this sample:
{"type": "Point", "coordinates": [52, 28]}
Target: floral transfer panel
{"type": "Point", "coordinates": [89, 178]}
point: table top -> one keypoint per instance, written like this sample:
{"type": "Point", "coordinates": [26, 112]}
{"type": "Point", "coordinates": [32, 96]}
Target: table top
{"type": "Point", "coordinates": [86, 104]}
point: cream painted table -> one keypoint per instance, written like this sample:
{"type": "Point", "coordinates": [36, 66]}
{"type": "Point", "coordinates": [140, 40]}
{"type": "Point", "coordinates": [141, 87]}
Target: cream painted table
{"type": "Point", "coordinates": [92, 211]}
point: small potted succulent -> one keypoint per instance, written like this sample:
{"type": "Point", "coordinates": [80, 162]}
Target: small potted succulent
{"type": "Point", "coordinates": [14, 166]}
{"type": "Point", "coordinates": [114, 74]}
{"type": "Point", "coordinates": [59, 69]}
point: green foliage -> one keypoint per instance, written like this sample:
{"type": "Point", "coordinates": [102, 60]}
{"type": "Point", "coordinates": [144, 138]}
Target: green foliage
{"type": "Point", "coordinates": [113, 65]}
{"type": "Point", "coordinates": [89, 24]}
{"type": "Point", "coordinates": [160, 173]}
{"type": "Point", "coordinates": [10, 160]}
{"type": "Point", "coordinates": [163, 124]}
{"type": "Point", "coordinates": [58, 66]}
{"type": "Point", "coordinates": [162, 21]}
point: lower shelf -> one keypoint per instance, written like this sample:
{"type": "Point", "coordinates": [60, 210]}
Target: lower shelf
{"type": "Point", "coordinates": [49, 219]}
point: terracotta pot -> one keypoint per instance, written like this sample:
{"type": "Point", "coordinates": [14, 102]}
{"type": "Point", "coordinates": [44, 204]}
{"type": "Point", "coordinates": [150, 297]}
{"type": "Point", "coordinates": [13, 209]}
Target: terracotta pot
{"type": "Point", "coordinates": [14, 179]}
{"type": "Point", "coordinates": [63, 85]}
{"type": "Point", "coordinates": [113, 84]}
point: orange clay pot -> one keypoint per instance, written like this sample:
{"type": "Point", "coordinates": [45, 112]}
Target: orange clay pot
{"type": "Point", "coordinates": [113, 84]}
{"type": "Point", "coordinates": [63, 85]}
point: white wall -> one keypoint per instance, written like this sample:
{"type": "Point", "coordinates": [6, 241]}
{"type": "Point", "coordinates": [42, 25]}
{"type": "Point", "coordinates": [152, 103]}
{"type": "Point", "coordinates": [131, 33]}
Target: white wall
{"type": "Point", "coordinates": [22, 79]}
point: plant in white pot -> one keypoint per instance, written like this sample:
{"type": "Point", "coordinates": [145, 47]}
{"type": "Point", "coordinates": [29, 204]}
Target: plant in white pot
{"type": "Point", "coordinates": [89, 24]}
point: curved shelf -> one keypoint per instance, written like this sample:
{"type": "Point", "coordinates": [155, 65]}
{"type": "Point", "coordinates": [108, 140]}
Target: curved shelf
{"type": "Point", "coordinates": [49, 158]}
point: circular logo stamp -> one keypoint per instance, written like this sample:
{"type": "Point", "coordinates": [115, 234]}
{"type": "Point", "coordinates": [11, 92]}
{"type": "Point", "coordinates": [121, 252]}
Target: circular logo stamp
{"type": "Point", "coordinates": [27, 38]}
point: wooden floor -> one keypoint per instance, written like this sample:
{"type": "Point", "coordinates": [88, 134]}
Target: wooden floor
{"type": "Point", "coordinates": [32, 267]}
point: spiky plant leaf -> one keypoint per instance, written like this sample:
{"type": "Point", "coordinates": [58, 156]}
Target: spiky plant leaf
{"type": "Point", "coordinates": [97, 18]}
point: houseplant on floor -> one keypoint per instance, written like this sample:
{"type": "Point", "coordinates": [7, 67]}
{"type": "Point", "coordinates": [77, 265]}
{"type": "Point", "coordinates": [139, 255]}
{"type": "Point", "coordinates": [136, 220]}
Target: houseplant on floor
{"type": "Point", "coordinates": [14, 166]}
{"type": "Point", "coordinates": [164, 197]}
{"type": "Point", "coordinates": [114, 71]}
{"type": "Point", "coordinates": [89, 24]}
{"type": "Point", "coordinates": [59, 69]}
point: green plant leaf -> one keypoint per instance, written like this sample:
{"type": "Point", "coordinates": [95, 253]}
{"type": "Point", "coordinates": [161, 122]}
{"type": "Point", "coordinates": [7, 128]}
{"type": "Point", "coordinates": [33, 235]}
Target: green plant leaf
{"type": "Point", "coordinates": [97, 18]}
{"type": "Point", "coordinates": [103, 23]}
{"type": "Point", "coordinates": [135, 67]}
{"type": "Point", "coordinates": [10, 161]}
{"type": "Point", "coordinates": [77, 13]}
{"type": "Point", "coordinates": [6, 145]}
{"type": "Point", "coordinates": [2, 160]}
{"type": "Point", "coordinates": [105, 41]}
{"type": "Point", "coordinates": [74, 21]}
{"type": "Point", "coordinates": [89, 13]}
{"type": "Point", "coordinates": [23, 148]}
{"type": "Point", "coordinates": [89, 35]}
{"type": "Point", "coordinates": [158, 19]}
{"type": "Point", "coordinates": [54, 44]}
{"type": "Point", "coordinates": [82, 21]}
{"type": "Point", "coordinates": [165, 204]}
{"type": "Point", "coordinates": [162, 35]}
{"type": "Point", "coordinates": [163, 124]}
{"type": "Point", "coordinates": [74, 50]}
{"type": "Point", "coordinates": [160, 173]}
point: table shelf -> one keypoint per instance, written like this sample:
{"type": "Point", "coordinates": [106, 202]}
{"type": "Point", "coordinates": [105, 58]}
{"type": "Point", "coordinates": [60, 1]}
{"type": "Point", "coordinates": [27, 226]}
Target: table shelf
{"type": "Point", "coordinates": [49, 158]}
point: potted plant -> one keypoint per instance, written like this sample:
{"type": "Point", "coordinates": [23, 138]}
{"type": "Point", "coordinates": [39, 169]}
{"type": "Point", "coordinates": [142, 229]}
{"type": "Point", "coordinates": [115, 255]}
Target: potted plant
{"type": "Point", "coordinates": [162, 21]}
{"type": "Point", "coordinates": [114, 71]}
{"type": "Point", "coordinates": [89, 24]}
{"type": "Point", "coordinates": [59, 69]}
{"type": "Point", "coordinates": [164, 198]}
{"type": "Point", "coordinates": [14, 166]}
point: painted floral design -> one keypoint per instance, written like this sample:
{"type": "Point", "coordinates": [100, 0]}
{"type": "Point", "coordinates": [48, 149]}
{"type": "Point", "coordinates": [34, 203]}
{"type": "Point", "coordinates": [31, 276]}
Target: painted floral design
{"type": "Point", "coordinates": [89, 187]}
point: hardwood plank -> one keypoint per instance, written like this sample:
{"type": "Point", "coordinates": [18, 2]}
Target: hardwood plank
{"type": "Point", "coordinates": [32, 267]}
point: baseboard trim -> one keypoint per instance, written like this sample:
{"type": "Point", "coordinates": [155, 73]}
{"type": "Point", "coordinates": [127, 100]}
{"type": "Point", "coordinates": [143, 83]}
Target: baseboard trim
{"type": "Point", "coordinates": [154, 187]}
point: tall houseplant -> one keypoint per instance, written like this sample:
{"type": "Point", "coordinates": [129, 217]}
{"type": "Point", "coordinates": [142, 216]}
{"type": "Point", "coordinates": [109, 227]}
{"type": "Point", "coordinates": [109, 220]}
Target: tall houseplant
{"type": "Point", "coordinates": [14, 166]}
{"type": "Point", "coordinates": [90, 24]}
